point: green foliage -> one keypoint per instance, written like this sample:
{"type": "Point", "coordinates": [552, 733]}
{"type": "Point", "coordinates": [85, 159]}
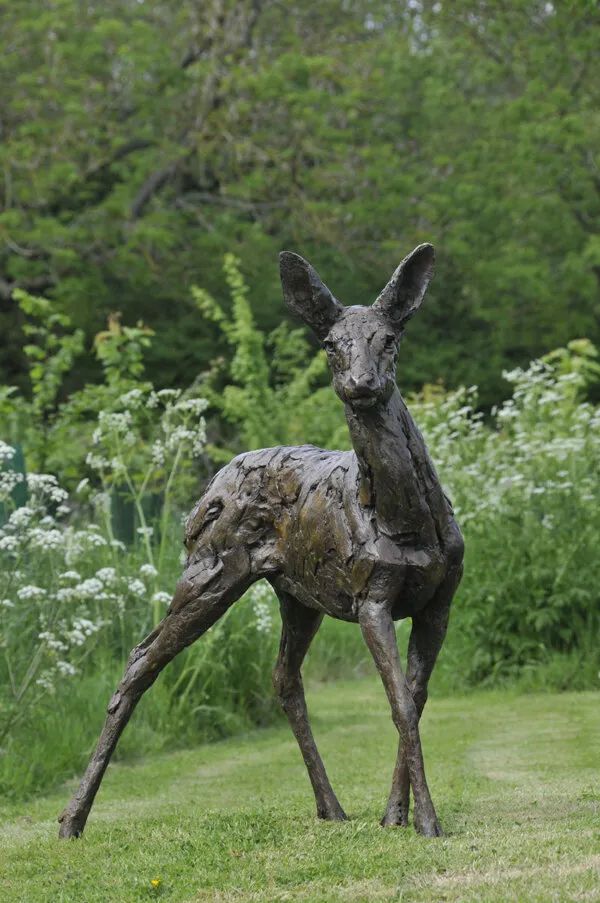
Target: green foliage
{"type": "Point", "coordinates": [120, 350]}
{"type": "Point", "coordinates": [272, 393]}
{"type": "Point", "coordinates": [74, 601]}
{"type": "Point", "coordinates": [525, 492]}
{"type": "Point", "coordinates": [140, 145]}
{"type": "Point", "coordinates": [50, 353]}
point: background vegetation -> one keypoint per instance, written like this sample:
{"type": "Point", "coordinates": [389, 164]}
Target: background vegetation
{"type": "Point", "coordinates": [88, 570]}
{"type": "Point", "coordinates": [140, 142]}
{"type": "Point", "coordinates": [153, 160]}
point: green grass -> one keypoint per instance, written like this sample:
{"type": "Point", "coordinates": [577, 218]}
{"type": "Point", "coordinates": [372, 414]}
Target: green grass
{"type": "Point", "coordinates": [516, 781]}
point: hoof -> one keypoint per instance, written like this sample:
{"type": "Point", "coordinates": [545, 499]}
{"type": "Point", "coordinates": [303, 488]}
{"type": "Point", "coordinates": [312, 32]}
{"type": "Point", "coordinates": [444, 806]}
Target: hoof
{"type": "Point", "coordinates": [428, 827]}
{"type": "Point", "coordinates": [70, 825]}
{"type": "Point", "coordinates": [332, 813]}
{"type": "Point", "coordinates": [395, 818]}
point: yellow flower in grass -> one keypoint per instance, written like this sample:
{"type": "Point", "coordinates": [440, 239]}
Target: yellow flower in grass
{"type": "Point", "coordinates": [155, 882]}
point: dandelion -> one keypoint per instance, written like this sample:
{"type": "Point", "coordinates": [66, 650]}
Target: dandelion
{"type": "Point", "coordinates": [155, 882]}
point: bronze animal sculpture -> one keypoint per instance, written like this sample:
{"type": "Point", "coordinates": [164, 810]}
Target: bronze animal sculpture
{"type": "Point", "coordinates": [366, 536]}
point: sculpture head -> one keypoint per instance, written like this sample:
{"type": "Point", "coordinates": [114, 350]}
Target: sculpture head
{"type": "Point", "coordinates": [361, 342]}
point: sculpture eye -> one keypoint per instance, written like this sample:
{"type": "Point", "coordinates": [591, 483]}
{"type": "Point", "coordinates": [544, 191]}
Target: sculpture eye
{"type": "Point", "coordinates": [328, 346]}
{"type": "Point", "coordinates": [390, 341]}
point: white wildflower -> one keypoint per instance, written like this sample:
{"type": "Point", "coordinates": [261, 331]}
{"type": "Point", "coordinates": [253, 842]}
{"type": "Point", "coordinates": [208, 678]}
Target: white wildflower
{"type": "Point", "coordinates": [66, 669]}
{"type": "Point", "coordinates": [9, 480]}
{"type": "Point", "coordinates": [162, 598]}
{"type": "Point", "coordinates": [52, 642]}
{"type": "Point", "coordinates": [45, 681]}
{"type": "Point", "coordinates": [89, 589]}
{"type": "Point", "coordinates": [159, 454]}
{"type": "Point", "coordinates": [9, 544]}
{"type": "Point", "coordinates": [148, 571]}
{"type": "Point", "coordinates": [66, 594]}
{"type": "Point", "coordinates": [30, 591]}
{"type": "Point", "coordinates": [21, 517]}
{"type": "Point", "coordinates": [132, 399]}
{"type": "Point", "coordinates": [70, 575]}
{"type": "Point", "coordinates": [7, 452]}
{"type": "Point", "coordinates": [107, 575]}
{"type": "Point", "coordinates": [96, 462]}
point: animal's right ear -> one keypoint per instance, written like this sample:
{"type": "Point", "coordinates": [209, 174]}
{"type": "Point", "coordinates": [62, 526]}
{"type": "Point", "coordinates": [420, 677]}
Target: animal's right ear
{"type": "Point", "coordinates": [306, 295]}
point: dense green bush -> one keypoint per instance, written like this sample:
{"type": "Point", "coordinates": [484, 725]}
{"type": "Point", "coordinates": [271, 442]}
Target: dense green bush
{"type": "Point", "coordinates": [525, 489]}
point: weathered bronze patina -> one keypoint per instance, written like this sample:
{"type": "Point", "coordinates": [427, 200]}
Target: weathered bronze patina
{"type": "Point", "coordinates": [365, 536]}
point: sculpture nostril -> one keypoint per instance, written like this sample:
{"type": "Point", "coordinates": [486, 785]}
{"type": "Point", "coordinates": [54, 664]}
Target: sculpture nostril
{"type": "Point", "coordinates": [364, 385]}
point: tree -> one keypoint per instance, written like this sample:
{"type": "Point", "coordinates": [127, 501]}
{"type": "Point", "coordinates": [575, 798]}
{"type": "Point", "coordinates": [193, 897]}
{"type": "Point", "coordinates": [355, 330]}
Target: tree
{"type": "Point", "coordinates": [140, 142]}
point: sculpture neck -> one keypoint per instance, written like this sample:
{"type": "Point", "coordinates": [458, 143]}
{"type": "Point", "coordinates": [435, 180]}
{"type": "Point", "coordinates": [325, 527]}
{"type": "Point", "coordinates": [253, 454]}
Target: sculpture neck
{"type": "Point", "coordinates": [397, 477]}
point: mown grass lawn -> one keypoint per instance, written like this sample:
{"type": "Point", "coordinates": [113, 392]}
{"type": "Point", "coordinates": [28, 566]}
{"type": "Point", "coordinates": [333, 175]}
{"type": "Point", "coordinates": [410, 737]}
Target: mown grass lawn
{"type": "Point", "coordinates": [516, 781]}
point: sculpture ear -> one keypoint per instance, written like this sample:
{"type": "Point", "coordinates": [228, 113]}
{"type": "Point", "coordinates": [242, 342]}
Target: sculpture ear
{"type": "Point", "coordinates": [306, 295]}
{"type": "Point", "coordinates": [402, 296]}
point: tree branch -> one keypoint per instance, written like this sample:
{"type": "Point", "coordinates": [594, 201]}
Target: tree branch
{"type": "Point", "coordinates": [37, 284]}
{"type": "Point", "coordinates": [237, 29]}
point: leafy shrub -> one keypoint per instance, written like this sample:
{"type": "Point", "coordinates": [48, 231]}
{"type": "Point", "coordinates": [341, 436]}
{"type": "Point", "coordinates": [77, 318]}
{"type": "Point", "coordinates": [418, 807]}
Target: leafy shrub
{"type": "Point", "coordinates": [276, 388]}
{"type": "Point", "coordinates": [73, 602]}
{"type": "Point", "coordinates": [525, 489]}
{"type": "Point", "coordinates": [75, 598]}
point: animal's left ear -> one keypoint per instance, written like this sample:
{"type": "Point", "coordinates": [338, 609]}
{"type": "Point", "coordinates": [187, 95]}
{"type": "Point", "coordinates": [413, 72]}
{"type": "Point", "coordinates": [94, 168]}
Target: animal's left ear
{"type": "Point", "coordinates": [402, 296]}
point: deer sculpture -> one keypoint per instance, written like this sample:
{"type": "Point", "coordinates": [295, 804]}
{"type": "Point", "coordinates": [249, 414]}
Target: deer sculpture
{"type": "Point", "coordinates": [366, 536]}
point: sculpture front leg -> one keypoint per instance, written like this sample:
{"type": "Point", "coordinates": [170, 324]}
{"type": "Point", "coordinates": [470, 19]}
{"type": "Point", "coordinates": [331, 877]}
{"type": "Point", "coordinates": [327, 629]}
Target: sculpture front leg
{"type": "Point", "coordinates": [426, 638]}
{"type": "Point", "coordinates": [378, 630]}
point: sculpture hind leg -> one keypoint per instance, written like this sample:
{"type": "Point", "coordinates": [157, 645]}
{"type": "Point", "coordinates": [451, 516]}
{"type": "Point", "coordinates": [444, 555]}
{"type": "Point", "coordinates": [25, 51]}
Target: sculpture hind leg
{"type": "Point", "coordinates": [299, 625]}
{"type": "Point", "coordinates": [426, 639]}
{"type": "Point", "coordinates": [203, 595]}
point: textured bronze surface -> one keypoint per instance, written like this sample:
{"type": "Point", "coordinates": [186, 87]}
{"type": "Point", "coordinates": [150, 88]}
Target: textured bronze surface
{"type": "Point", "coordinates": [365, 536]}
